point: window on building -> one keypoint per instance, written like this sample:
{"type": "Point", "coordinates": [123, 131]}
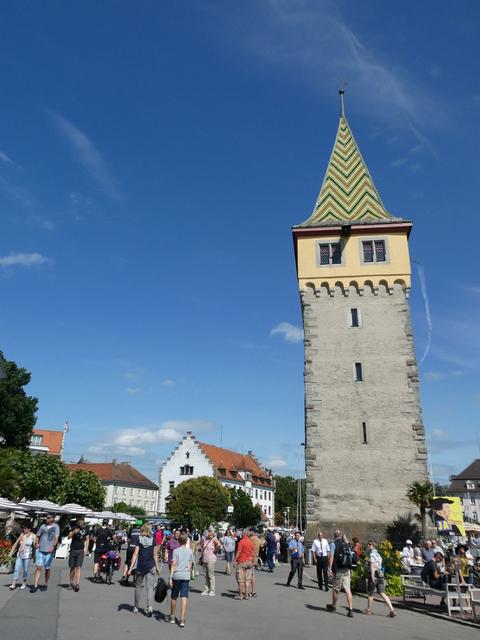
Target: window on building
{"type": "Point", "coordinates": [269, 511]}
{"type": "Point", "coordinates": [354, 318]}
{"type": "Point", "coordinates": [256, 493]}
{"type": "Point", "coordinates": [358, 372]}
{"type": "Point", "coordinates": [474, 516]}
{"type": "Point", "coordinates": [374, 251]}
{"type": "Point", "coordinates": [182, 470]}
{"type": "Point", "coordinates": [470, 485]}
{"type": "Point", "coordinates": [171, 484]}
{"type": "Point", "coordinates": [472, 500]}
{"type": "Point", "coordinates": [188, 455]}
{"type": "Point", "coordinates": [364, 433]}
{"type": "Point", "coordinates": [330, 253]}
{"type": "Point", "coordinates": [124, 490]}
{"type": "Point", "coordinates": [131, 491]}
{"type": "Point", "coordinates": [36, 440]}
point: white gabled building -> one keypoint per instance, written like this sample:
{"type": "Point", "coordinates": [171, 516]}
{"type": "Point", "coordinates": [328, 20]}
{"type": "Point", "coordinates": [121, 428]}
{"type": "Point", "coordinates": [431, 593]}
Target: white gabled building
{"type": "Point", "coordinates": [192, 459]}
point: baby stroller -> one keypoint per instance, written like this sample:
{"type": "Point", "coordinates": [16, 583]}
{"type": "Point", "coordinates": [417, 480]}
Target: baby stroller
{"type": "Point", "coordinates": [109, 563]}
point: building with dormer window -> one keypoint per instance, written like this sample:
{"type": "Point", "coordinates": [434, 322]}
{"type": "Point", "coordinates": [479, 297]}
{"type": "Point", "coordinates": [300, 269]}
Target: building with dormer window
{"type": "Point", "coordinates": [466, 485]}
{"type": "Point", "coordinates": [193, 459]}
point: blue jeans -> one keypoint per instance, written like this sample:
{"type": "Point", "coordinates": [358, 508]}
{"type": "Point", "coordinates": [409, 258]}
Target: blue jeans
{"type": "Point", "coordinates": [271, 559]}
{"type": "Point", "coordinates": [21, 564]}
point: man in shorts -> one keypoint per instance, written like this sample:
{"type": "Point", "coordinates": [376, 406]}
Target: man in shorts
{"type": "Point", "coordinates": [79, 536]}
{"type": "Point", "coordinates": [340, 566]}
{"type": "Point", "coordinates": [47, 539]}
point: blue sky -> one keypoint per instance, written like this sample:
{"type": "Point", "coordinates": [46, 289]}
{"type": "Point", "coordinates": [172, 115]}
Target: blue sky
{"type": "Point", "coordinates": [153, 158]}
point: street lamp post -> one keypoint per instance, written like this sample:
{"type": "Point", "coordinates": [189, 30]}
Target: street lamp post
{"type": "Point", "coordinates": [288, 517]}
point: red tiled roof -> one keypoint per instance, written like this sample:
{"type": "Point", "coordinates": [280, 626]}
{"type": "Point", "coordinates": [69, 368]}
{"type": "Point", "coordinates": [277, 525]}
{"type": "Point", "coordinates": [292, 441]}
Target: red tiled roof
{"type": "Point", "coordinates": [50, 439]}
{"type": "Point", "coordinates": [113, 472]}
{"type": "Point", "coordinates": [232, 462]}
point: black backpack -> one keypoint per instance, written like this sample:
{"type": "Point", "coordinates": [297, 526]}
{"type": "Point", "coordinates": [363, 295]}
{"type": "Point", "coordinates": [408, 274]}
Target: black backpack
{"type": "Point", "coordinates": [343, 555]}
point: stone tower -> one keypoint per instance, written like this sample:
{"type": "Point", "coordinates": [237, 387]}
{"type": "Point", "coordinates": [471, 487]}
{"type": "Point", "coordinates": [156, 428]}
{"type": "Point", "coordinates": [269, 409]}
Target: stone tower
{"type": "Point", "coordinates": [364, 434]}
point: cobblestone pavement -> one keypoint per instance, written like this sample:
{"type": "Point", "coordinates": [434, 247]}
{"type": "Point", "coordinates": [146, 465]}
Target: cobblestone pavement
{"type": "Point", "coordinates": [105, 612]}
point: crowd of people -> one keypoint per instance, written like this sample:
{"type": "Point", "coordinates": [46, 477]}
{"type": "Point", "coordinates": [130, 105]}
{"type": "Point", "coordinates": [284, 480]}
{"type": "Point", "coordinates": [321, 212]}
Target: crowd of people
{"type": "Point", "coordinates": [184, 552]}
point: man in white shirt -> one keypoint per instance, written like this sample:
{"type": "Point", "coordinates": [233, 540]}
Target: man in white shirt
{"type": "Point", "coordinates": [320, 549]}
{"type": "Point", "coordinates": [407, 556]}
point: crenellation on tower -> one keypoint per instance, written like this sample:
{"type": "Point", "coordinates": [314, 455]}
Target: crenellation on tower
{"type": "Point", "coordinates": [364, 435]}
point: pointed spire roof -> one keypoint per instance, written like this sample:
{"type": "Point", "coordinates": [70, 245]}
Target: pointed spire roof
{"type": "Point", "coordinates": [348, 193]}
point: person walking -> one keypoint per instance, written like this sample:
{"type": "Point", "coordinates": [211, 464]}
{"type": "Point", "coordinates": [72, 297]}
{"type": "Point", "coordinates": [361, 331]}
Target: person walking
{"type": "Point", "coordinates": [25, 544]}
{"type": "Point", "coordinates": [297, 559]}
{"type": "Point", "coordinates": [171, 545]}
{"type": "Point", "coordinates": [180, 572]}
{"type": "Point", "coordinates": [47, 540]}
{"type": "Point", "coordinates": [257, 544]}
{"type": "Point", "coordinates": [103, 541]}
{"type": "Point", "coordinates": [208, 557]}
{"type": "Point", "coordinates": [147, 567]}
{"type": "Point", "coordinates": [271, 545]}
{"type": "Point", "coordinates": [132, 542]}
{"type": "Point", "coordinates": [228, 544]}
{"type": "Point", "coordinates": [340, 567]}
{"type": "Point", "coordinates": [244, 559]}
{"type": "Point", "coordinates": [78, 550]}
{"type": "Point", "coordinates": [376, 579]}
{"type": "Point", "coordinates": [320, 549]}
{"type": "Point", "coordinates": [195, 540]}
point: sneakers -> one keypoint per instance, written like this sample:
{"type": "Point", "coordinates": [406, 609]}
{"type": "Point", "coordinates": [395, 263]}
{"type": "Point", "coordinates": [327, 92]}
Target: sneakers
{"type": "Point", "coordinates": [24, 586]}
{"type": "Point", "coordinates": [181, 623]}
{"type": "Point", "coordinates": [170, 619]}
{"type": "Point", "coordinates": [330, 607]}
{"type": "Point", "coordinates": [211, 594]}
{"type": "Point", "coordinates": [350, 613]}
{"type": "Point", "coordinates": [70, 587]}
{"type": "Point", "coordinates": [135, 610]}
{"type": "Point", "coordinates": [149, 613]}
{"type": "Point", "coordinates": [206, 592]}
{"type": "Point", "coordinates": [34, 590]}
{"type": "Point", "coordinates": [12, 587]}
{"type": "Point", "coordinates": [76, 588]}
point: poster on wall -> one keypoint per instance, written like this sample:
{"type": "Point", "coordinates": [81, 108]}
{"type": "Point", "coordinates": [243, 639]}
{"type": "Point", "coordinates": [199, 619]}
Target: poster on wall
{"type": "Point", "coordinates": [447, 516]}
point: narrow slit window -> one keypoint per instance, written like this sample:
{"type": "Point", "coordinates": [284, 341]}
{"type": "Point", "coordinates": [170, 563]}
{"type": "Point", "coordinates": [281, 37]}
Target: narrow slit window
{"type": "Point", "coordinates": [364, 433]}
{"type": "Point", "coordinates": [354, 317]}
{"type": "Point", "coordinates": [358, 372]}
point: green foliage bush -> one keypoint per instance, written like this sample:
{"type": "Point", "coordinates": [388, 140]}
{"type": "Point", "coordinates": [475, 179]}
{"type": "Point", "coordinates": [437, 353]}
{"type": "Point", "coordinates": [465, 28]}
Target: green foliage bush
{"type": "Point", "coordinates": [393, 585]}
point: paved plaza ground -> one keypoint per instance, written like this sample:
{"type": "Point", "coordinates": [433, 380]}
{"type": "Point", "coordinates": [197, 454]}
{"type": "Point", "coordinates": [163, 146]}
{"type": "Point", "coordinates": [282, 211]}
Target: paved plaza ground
{"type": "Point", "coordinates": [104, 612]}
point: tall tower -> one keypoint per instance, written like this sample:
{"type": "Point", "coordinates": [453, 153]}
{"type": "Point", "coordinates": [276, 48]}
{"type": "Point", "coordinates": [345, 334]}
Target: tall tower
{"type": "Point", "coordinates": [365, 440]}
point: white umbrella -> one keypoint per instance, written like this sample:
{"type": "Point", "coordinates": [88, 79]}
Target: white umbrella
{"type": "Point", "coordinates": [7, 505]}
{"type": "Point", "coordinates": [472, 527]}
{"type": "Point", "coordinates": [76, 509]}
{"type": "Point", "coordinates": [43, 506]}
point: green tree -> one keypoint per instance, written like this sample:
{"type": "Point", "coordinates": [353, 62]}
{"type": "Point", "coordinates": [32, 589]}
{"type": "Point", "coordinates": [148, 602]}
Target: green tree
{"type": "Point", "coordinates": [84, 488]}
{"type": "Point", "coordinates": [245, 514]}
{"type": "Point", "coordinates": [198, 496]}
{"type": "Point", "coordinates": [123, 507]}
{"type": "Point", "coordinates": [43, 478]}
{"type": "Point", "coordinates": [286, 492]}
{"type": "Point", "coordinates": [17, 410]}
{"type": "Point", "coordinates": [421, 494]}
{"type": "Point", "coordinates": [9, 483]}
{"type": "Point", "coordinates": [403, 528]}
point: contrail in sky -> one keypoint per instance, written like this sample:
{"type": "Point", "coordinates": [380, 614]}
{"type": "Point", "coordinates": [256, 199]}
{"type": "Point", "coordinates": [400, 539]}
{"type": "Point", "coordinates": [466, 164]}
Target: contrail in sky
{"type": "Point", "coordinates": [423, 289]}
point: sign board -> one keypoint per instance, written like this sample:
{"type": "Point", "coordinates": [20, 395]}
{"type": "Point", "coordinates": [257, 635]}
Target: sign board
{"type": "Point", "coordinates": [447, 516]}
{"type": "Point", "coordinates": [230, 509]}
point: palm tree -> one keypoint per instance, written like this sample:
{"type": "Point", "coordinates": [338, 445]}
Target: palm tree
{"type": "Point", "coordinates": [9, 483]}
{"type": "Point", "coordinates": [421, 494]}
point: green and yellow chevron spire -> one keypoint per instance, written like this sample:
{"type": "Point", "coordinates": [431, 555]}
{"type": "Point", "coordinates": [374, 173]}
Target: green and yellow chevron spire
{"type": "Point", "coordinates": [348, 193]}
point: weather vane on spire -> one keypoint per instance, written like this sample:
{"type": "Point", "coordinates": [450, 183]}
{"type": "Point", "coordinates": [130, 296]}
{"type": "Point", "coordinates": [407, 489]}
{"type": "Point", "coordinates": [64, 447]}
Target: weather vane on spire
{"type": "Point", "coordinates": [341, 93]}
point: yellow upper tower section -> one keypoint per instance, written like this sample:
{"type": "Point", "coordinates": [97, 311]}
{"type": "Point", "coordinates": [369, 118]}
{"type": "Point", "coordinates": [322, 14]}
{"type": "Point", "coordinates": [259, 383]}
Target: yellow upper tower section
{"type": "Point", "coordinates": [351, 239]}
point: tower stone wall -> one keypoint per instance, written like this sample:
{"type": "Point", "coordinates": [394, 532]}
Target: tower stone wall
{"type": "Point", "coordinates": [351, 484]}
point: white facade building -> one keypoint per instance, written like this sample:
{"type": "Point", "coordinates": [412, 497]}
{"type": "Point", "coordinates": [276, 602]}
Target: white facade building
{"type": "Point", "coordinates": [192, 459]}
{"type": "Point", "coordinates": [123, 483]}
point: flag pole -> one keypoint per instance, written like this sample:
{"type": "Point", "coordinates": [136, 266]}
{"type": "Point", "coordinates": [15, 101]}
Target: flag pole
{"type": "Point", "coordinates": [65, 431]}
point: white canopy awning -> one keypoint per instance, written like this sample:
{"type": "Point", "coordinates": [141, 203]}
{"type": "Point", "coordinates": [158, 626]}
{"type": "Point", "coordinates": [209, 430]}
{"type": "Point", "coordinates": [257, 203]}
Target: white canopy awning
{"type": "Point", "coordinates": [8, 505]}
{"type": "Point", "coordinates": [41, 506]}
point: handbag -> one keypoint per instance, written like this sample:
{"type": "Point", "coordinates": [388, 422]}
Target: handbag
{"type": "Point", "coordinates": [160, 590]}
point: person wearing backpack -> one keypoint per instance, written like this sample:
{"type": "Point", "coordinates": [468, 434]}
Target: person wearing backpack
{"type": "Point", "coordinates": [340, 567]}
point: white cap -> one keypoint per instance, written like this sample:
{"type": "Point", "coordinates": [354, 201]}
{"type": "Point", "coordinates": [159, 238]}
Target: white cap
{"type": "Point", "coordinates": [409, 542]}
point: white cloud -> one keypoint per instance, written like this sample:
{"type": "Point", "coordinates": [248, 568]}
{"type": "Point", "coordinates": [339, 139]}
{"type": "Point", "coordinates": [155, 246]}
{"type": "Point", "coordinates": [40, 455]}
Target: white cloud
{"type": "Point", "coordinates": [276, 463]}
{"type": "Point", "coordinates": [132, 441]}
{"type": "Point", "coordinates": [132, 391]}
{"type": "Point", "coordinates": [86, 154]}
{"type": "Point", "coordinates": [290, 332]}
{"type": "Point", "coordinates": [5, 158]}
{"type": "Point", "coordinates": [24, 260]}
{"type": "Point", "coordinates": [439, 434]}
{"type": "Point", "coordinates": [168, 383]}
{"type": "Point", "coordinates": [434, 376]}
{"type": "Point", "coordinates": [295, 36]}
{"type": "Point", "coordinates": [399, 162]}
